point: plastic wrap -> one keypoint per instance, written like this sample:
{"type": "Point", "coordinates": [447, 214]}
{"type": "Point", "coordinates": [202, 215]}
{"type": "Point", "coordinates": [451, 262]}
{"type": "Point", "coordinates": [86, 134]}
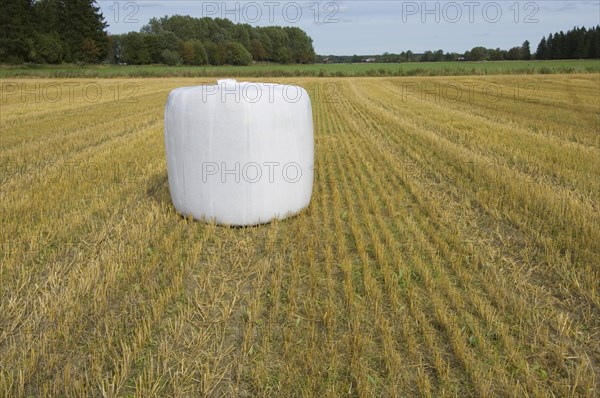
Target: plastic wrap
{"type": "Point", "coordinates": [239, 153]}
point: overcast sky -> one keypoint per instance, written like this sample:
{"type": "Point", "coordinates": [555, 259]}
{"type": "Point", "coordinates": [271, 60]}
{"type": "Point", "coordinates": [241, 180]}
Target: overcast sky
{"type": "Point", "coordinates": [373, 27]}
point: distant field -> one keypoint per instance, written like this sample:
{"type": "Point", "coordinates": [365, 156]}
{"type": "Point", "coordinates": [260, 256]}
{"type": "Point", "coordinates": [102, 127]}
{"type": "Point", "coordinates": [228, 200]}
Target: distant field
{"type": "Point", "coordinates": [313, 70]}
{"type": "Point", "coordinates": [451, 247]}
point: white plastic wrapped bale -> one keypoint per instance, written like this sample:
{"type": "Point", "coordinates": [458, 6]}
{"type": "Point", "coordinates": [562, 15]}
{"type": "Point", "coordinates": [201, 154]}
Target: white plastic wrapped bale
{"type": "Point", "coordinates": [239, 153]}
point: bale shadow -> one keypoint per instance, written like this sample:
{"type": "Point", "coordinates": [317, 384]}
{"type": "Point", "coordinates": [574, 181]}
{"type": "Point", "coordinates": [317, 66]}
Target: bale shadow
{"type": "Point", "coordinates": [158, 189]}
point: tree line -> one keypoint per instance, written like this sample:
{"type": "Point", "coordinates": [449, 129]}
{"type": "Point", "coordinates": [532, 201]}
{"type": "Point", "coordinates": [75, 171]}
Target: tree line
{"type": "Point", "coordinates": [522, 52]}
{"type": "Point", "coordinates": [55, 31]}
{"type": "Point", "coordinates": [578, 43]}
{"type": "Point", "coordinates": [199, 41]}
{"type": "Point", "coordinates": [51, 31]}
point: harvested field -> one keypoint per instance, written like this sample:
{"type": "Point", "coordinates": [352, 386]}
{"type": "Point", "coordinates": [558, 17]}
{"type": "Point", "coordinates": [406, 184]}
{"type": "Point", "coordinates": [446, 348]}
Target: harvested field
{"type": "Point", "coordinates": [452, 247]}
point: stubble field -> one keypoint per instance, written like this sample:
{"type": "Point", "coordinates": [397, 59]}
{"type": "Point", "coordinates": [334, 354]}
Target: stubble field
{"type": "Point", "coordinates": [452, 247]}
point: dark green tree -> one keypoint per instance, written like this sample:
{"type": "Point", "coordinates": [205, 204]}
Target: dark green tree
{"type": "Point", "coordinates": [215, 53]}
{"type": "Point", "coordinates": [299, 45]}
{"type": "Point", "coordinates": [552, 50]}
{"type": "Point", "coordinates": [186, 51]}
{"type": "Point", "coordinates": [577, 43]}
{"type": "Point", "coordinates": [496, 55]}
{"type": "Point", "coordinates": [155, 46]}
{"type": "Point", "coordinates": [200, 57]}
{"type": "Point", "coordinates": [170, 57]}
{"type": "Point", "coordinates": [47, 48]}
{"type": "Point", "coordinates": [515, 53]}
{"type": "Point", "coordinates": [258, 50]}
{"type": "Point", "coordinates": [558, 46]}
{"type": "Point", "coordinates": [479, 54]}
{"type": "Point", "coordinates": [242, 34]}
{"type": "Point", "coordinates": [438, 56]}
{"type": "Point", "coordinates": [542, 50]}
{"type": "Point", "coordinates": [274, 44]}
{"type": "Point", "coordinates": [593, 38]}
{"type": "Point", "coordinates": [236, 54]}
{"type": "Point", "coordinates": [81, 27]}
{"type": "Point", "coordinates": [16, 38]}
{"type": "Point", "coordinates": [282, 55]}
{"type": "Point", "coordinates": [111, 49]}
{"type": "Point", "coordinates": [133, 49]}
{"type": "Point", "coordinates": [526, 51]}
